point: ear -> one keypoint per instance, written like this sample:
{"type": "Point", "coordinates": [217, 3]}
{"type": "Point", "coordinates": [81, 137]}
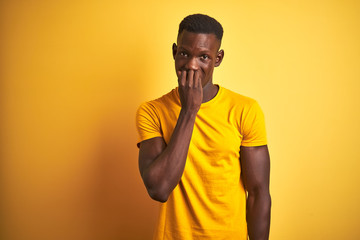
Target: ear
{"type": "Point", "coordinates": [219, 58]}
{"type": "Point", "coordinates": [174, 50]}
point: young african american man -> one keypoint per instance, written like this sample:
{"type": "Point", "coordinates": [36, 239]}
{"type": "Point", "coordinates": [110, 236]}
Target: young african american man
{"type": "Point", "coordinates": [203, 149]}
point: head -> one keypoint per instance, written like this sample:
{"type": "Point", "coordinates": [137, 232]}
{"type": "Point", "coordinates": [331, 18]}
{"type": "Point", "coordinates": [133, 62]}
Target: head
{"type": "Point", "coordinates": [198, 44]}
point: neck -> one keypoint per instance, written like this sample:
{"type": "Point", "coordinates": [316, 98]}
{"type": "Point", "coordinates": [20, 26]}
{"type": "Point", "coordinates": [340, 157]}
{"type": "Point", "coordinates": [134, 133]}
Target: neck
{"type": "Point", "coordinates": [209, 91]}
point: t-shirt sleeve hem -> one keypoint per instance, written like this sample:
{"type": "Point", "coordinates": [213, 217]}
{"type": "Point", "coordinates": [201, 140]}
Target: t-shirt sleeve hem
{"type": "Point", "coordinates": [254, 144]}
{"type": "Point", "coordinates": [148, 136]}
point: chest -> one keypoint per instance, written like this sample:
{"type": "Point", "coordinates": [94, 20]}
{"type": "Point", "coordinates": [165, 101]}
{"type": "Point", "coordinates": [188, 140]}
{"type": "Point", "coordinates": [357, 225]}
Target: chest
{"type": "Point", "coordinates": [216, 131]}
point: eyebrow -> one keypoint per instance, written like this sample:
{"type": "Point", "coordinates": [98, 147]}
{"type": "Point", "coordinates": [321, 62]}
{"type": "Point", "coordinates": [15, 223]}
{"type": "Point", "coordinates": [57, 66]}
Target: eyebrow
{"type": "Point", "coordinates": [201, 51]}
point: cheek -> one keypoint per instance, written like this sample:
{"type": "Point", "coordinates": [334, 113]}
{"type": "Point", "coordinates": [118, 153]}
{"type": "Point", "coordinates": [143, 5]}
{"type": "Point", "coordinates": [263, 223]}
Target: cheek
{"type": "Point", "coordinates": [179, 65]}
{"type": "Point", "coordinates": [207, 70]}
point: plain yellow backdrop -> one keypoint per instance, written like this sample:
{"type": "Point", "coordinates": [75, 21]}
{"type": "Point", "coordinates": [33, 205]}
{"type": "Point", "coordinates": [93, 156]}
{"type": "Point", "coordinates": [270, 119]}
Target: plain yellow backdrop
{"type": "Point", "coordinates": [74, 72]}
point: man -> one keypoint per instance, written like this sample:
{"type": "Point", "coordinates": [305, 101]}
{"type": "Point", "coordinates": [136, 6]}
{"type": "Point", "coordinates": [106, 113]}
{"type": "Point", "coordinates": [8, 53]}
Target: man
{"type": "Point", "coordinates": [203, 150]}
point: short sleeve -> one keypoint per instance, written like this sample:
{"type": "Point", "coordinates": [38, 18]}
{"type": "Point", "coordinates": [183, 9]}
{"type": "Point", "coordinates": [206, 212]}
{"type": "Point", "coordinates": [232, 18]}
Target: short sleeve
{"type": "Point", "coordinates": [147, 122]}
{"type": "Point", "coordinates": [253, 126]}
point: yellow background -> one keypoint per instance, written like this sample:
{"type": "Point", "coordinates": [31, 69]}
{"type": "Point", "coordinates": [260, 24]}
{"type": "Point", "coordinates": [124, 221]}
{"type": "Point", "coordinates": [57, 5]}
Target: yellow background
{"type": "Point", "coordinates": [74, 72]}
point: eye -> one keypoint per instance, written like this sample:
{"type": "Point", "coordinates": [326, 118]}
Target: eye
{"type": "Point", "coordinates": [184, 54]}
{"type": "Point", "coordinates": [204, 56]}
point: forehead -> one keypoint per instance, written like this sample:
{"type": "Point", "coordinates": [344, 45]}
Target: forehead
{"type": "Point", "coordinates": [198, 40]}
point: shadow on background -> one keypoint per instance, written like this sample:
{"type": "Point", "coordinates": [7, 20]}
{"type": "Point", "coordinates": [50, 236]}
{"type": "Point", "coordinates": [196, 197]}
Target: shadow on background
{"type": "Point", "coordinates": [119, 206]}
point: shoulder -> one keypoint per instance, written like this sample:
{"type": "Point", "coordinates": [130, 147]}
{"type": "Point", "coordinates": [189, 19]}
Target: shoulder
{"type": "Point", "coordinates": [168, 99]}
{"type": "Point", "coordinates": [238, 100]}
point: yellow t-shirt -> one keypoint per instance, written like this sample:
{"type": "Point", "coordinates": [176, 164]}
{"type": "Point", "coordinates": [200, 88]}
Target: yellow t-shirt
{"type": "Point", "coordinates": [210, 201]}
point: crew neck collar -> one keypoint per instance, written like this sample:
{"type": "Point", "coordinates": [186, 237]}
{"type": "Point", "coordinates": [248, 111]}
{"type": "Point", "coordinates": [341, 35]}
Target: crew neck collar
{"type": "Point", "coordinates": [214, 99]}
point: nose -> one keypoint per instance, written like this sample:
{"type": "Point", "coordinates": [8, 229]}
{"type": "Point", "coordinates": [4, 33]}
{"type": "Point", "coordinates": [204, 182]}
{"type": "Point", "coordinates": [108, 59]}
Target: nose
{"type": "Point", "coordinates": [192, 64]}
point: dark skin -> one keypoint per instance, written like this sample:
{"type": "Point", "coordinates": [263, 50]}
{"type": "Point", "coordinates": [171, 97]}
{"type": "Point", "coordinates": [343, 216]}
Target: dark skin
{"type": "Point", "coordinates": [161, 165]}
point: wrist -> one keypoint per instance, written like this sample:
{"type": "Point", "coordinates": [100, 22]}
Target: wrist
{"type": "Point", "coordinates": [188, 114]}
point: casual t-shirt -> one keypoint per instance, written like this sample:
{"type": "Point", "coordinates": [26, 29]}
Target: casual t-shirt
{"type": "Point", "coordinates": [209, 202]}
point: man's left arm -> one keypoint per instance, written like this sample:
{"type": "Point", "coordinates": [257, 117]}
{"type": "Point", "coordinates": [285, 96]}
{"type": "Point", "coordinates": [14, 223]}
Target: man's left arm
{"type": "Point", "coordinates": [255, 167]}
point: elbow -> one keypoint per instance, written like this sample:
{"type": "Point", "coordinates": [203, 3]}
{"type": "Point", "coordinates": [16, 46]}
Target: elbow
{"type": "Point", "coordinates": [158, 196]}
{"type": "Point", "coordinates": [261, 199]}
{"type": "Point", "coordinates": [156, 189]}
{"type": "Point", "coordinates": [259, 192]}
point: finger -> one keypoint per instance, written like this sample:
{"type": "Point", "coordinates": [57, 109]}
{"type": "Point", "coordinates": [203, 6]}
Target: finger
{"type": "Point", "coordinates": [190, 78]}
{"type": "Point", "coordinates": [182, 78]}
{"type": "Point", "coordinates": [197, 79]}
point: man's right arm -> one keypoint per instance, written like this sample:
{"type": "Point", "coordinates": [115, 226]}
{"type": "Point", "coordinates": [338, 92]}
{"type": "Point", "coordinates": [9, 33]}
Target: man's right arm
{"type": "Point", "coordinates": [161, 166]}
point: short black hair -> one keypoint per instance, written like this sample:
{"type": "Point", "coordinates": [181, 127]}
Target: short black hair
{"type": "Point", "coordinates": [200, 23]}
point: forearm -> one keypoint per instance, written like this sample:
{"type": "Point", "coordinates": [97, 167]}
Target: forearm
{"type": "Point", "coordinates": [164, 173]}
{"type": "Point", "coordinates": [258, 215]}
